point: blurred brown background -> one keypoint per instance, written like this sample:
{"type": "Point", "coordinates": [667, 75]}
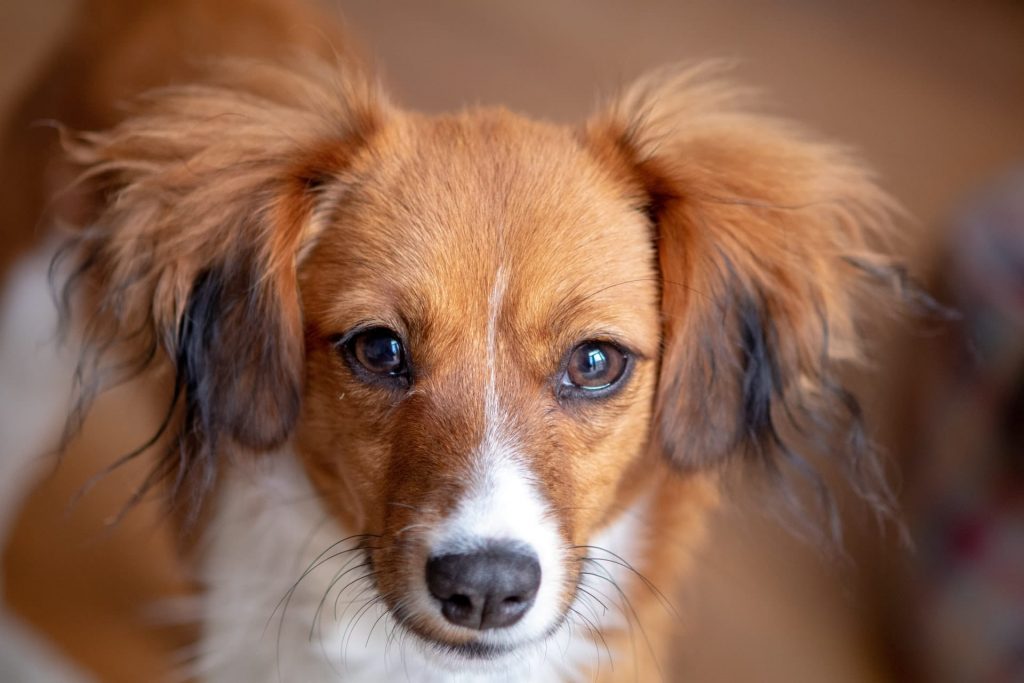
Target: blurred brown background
{"type": "Point", "coordinates": [931, 92]}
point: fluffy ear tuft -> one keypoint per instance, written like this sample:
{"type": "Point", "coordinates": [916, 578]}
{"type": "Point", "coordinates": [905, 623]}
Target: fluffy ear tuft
{"type": "Point", "coordinates": [210, 195]}
{"type": "Point", "coordinates": [768, 239]}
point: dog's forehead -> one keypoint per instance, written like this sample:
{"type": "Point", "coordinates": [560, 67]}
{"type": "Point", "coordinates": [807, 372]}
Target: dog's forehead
{"type": "Point", "coordinates": [440, 209]}
{"type": "Point", "coordinates": [490, 177]}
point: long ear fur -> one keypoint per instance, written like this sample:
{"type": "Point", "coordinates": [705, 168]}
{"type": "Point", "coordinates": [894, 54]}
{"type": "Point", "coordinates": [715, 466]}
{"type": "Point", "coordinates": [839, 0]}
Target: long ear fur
{"type": "Point", "coordinates": [767, 241]}
{"type": "Point", "coordinates": [211, 192]}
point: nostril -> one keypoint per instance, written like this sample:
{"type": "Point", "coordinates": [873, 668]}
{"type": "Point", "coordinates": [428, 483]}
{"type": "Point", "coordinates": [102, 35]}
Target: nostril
{"type": "Point", "coordinates": [462, 610]}
{"type": "Point", "coordinates": [461, 601]}
{"type": "Point", "coordinates": [489, 588]}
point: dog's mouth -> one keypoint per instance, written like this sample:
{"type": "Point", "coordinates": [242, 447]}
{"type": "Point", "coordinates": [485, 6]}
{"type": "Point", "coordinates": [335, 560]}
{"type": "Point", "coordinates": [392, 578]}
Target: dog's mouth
{"type": "Point", "coordinates": [474, 650]}
{"type": "Point", "coordinates": [478, 651]}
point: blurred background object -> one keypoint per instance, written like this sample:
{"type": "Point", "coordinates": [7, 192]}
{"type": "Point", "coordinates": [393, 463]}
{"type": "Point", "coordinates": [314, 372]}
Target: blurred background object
{"type": "Point", "coordinates": [963, 454]}
{"type": "Point", "coordinates": [932, 94]}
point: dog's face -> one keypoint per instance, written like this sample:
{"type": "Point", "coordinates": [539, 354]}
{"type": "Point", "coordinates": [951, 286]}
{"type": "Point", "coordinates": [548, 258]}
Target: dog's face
{"type": "Point", "coordinates": [483, 333]}
{"type": "Point", "coordinates": [475, 331]}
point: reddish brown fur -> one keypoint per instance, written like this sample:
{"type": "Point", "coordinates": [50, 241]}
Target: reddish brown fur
{"type": "Point", "coordinates": [694, 233]}
{"type": "Point", "coordinates": [421, 258]}
{"type": "Point", "coordinates": [755, 218]}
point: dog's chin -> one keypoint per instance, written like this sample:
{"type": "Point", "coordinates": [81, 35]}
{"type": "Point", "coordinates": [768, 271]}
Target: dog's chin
{"type": "Point", "coordinates": [479, 656]}
{"type": "Point", "coordinates": [478, 653]}
{"type": "Point", "coordinates": [474, 657]}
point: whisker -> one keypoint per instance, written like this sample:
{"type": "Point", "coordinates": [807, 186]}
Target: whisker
{"type": "Point", "coordinates": [410, 527]}
{"type": "Point", "coordinates": [586, 592]}
{"type": "Point", "coordinates": [406, 506]}
{"type": "Point", "coordinates": [621, 607]}
{"type": "Point", "coordinates": [313, 565]}
{"type": "Point", "coordinates": [351, 628]}
{"type": "Point", "coordinates": [592, 628]}
{"type": "Point", "coordinates": [632, 610]}
{"type": "Point", "coordinates": [341, 573]}
{"type": "Point", "coordinates": [374, 626]}
{"type": "Point", "coordinates": [285, 600]}
{"type": "Point", "coordinates": [337, 598]}
{"type": "Point", "coordinates": [622, 562]}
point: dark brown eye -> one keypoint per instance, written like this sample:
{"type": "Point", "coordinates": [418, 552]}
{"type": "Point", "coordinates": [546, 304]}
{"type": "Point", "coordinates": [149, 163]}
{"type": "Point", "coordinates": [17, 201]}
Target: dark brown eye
{"type": "Point", "coordinates": [379, 351]}
{"type": "Point", "coordinates": [595, 366]}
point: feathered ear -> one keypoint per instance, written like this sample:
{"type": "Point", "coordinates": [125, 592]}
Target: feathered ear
{"type": "Point", "coordinates": [768, 241]}
{"type": "Point", "coordinates": [210, 195]}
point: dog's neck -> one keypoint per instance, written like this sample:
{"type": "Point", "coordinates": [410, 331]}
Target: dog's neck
{"type": "Point", "coordinates": [287, 599]}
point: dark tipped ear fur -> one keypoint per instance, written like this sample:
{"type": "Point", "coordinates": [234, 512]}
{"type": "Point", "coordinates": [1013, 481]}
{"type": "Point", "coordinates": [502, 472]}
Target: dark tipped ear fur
{"type": "Point", "coordinates": [763, 234]}
{"type": "Point", "coordinates": [239, 359]}
{"type": "Point", "coordinates": [211, 193]}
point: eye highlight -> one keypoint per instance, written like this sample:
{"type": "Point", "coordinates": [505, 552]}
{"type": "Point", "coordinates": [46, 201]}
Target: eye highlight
{"type": "Point", "coordinates": [376, 354]}
{"type": "Point", "coordinates": [594, 368]}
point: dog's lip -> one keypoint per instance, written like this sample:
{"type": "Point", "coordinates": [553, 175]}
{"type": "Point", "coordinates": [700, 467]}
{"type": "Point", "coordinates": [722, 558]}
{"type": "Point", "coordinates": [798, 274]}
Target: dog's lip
{"type": "Point", "coordinates": [472, 649]}
{"type": "Point", "coordinates": [478, 650]}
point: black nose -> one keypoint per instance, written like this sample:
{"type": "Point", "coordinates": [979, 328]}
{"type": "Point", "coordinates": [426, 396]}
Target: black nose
{"type": "Point", "coordinates": [488, 588]}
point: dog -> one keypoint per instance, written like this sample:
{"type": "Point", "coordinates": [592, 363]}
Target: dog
{"type": "Point", "coordinates": [448, 396]}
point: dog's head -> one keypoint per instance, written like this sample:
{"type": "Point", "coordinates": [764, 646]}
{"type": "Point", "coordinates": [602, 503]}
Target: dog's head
{"type": "Point", "coordinates": [479, 334]}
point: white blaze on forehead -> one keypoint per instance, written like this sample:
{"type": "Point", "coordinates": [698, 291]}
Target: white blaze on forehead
{"type": "Point", "coordinates": [493, 416]}
{"type": "Point", "coordinates": [503, 501]}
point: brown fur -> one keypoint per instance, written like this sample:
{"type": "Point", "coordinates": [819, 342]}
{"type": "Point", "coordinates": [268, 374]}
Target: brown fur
{"type": "Point", "coordinates": [249, 219]}
{"type": "Point", "coordinates": [769, 242]}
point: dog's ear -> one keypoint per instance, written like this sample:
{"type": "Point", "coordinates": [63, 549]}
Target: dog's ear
{"type": "Point", "coordinates": [768, 240]}
{"type": "Point", "coordinates": [211, 195]}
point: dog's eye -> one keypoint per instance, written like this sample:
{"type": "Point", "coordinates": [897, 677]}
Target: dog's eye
{"type": "Point", "coordinates": [595, 366]}
{"type": "Point", "coordinates": [379, 351]}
